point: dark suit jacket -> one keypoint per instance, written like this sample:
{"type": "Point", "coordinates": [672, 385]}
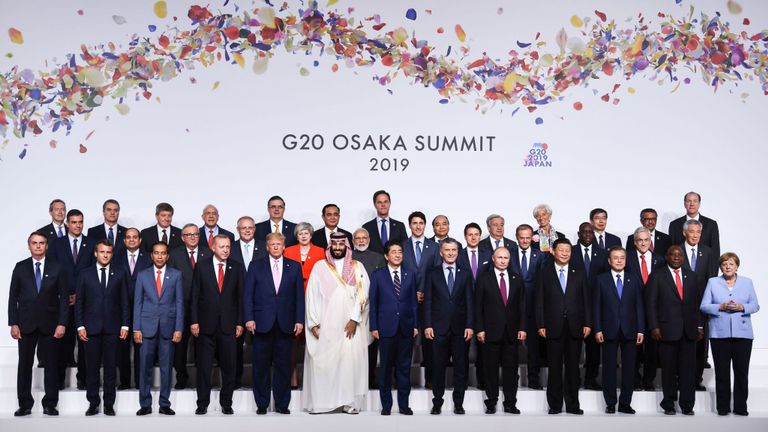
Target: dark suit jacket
{"type": "Point", "coordinates": [102, 311]}
{"type": "Point", "coordinates": [371, 260]}
{"type": "Point", "coordinates": [390, 312]}
{"type": "Point", "coordinates": [444, 312]}
{"type": "Point", "coordinates": [535, 260]}
{"type": "Point", "coordinates": [259, 251]}
{"type": "Point", "coordinates": [552, 304]}
{"type": "Point", "coordinates": [598, 262]}
{"type": "Point", "coordinates": [264, 305]}
{"type": "Point", "coordinates": [96, 233]}
{"type": "Point", "coordinates": [179, 259]}
{"type": "Point", "coordinates": [491, 315]}
{"type": "Point", "coordinates": [706, 265]}
{"type": "Point", "coordinates": [633, 265]}
{"type": "Point", "coordinates": [319, 240]}
{"type": "Point", "coordinates": [396, 233]}
{"type": "Point", "coordinates": [710, 233]}
{"type": "Point", "coordinates": [613, 313]}
{"type": "Point", "coordinates": [163, 314]}
{"type": "Point", "coordinates": [430, 257]}
{"type": "Point", "coordinates": [661, 243]}
{"type": "Point", "coordinates": [213, 310]}
{"type": "Point", "coordinates": [51, 232]}
{"type": "Point", "coordinates": [120, 259]}
{"type": "Point", "coordinates": [666, 311]}
{"type": "Point", "coordinates": [204, 235]}
{"type": "Point", "coordinates": [464, 261]}
{"type": "Point", "coordinates": [149, 237]}
{"type": "Point", "coordinates": [265, 227]}
{"type": "Point", "coordinates": [62, 253]}
{"type": "Point", "coordinates": [41, 311]}
{"type": "Point", "coordinates": [485, 244]}
{"type": "Point", "coordinates": [609, 240]}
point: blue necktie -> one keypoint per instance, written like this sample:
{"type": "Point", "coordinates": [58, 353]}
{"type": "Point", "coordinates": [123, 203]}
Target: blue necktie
{"type": "Point", "coordinates": [693, 259]}
{"type": "Point", "coordinates": [104, 278]}
{"type": "Point", "coordinates": [562, 279]}
{"type": "Point", "coordinates": [61, 232]}
{"type": "Point", "coordinates": [619, 285]}
{"type": "Point", "coordinates": [587, 262]}
{"type": "Point", "coordinates": [418, 253]}
{"type": "Point", "coordinates": [524, 266]}
{"type": "Point", "coordinates": [396, 281]}
{"type": "Point", "coordinates": [497, 243]}
{"type": "Point", "coordinates": [38, 277]}
{"type": "Point", "coordinates": [111, 236]}
{"type": "Point", "coordinates": [384, 235]}
{"type": "Point", "coordinates": [450, 280]}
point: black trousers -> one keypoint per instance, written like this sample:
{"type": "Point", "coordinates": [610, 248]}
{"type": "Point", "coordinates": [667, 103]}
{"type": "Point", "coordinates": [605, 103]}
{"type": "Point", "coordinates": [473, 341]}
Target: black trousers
{"type": "Point", "coordinates": [396, 353]}
{"type": "Point", "coordinates": [677, 358]}
{"type": "Point", "coordinates": [535, 348]}
{"type": "Point", "coordinates": [628, 358]}
{"type": "Point", "coordinates": [67, 351]}
{"type": "Point", "coordinates": [501, 353]}
{"type": "Point", "coordinates": [702, 351]}
{"type": "Point", "coordinates": [445, 347]}
{"type": "Point", "coordinates": [650, 355]}
{"type": "Point", "coordinates": [222, 346]}
{"type": "Point", "coordinates": [724, 352]}
{"type": "Point", "coordinates": [563, 351]}
{"type": "Point", "coordinates": [239, 359]}
{"type": "Point", "coordinates": [180, 356]}
{"type": "Point", "coordinates": [591, 357]}
{"type": "Point", "coordinates": [479, 364]}
{"type": "Point", "coordinates": [124, 348]}
{"type": "Point", "coordinates": [373, 356]}
{"type": "Point", "coordinates": [48, 350]}
{"type": "Point", "coordinates": [101, 350]}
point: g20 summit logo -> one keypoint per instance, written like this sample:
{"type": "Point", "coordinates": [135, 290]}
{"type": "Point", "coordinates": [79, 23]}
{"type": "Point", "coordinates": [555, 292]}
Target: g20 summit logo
{"type": "Point", "coordinates": [537, 157]}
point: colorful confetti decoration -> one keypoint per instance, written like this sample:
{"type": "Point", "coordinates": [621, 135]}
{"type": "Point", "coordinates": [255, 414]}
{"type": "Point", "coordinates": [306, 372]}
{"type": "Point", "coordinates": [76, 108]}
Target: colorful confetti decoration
{"type": "Point", "coordinates": [16, 36]}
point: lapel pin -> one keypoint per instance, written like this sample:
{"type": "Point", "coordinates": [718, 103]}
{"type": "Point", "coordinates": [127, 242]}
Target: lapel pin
{"type": "Point", "coordinates": [46, 275]}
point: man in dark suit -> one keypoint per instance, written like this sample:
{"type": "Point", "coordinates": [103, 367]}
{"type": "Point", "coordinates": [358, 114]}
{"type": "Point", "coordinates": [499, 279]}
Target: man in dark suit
{"type": "Point", "coordinates": [441, 228]}
{"type": "Point", "coordinates": [276, 223]}
{"type": "Point", "coordinates": [163, 231]}
{"type": "Point", "coordinates": [495, 237]}
{"type": "Point", "coordinates": [158, 319]}
{"type": "Point", "coordinates": [383, 228]}
{"type": "Point", "coordinates": [185, 259]}
{"type": "Point", "coordinates": [101, 317]}
{"type": "Point", "coordinates": [641, 263]}
{"type": "Point", "coordinates": [701, 261]}
{"type": "Point", "coordinates": [526, 260]}
{"type": "Point", "coordinates": [599, 219]}
{"type": "Point", "coordinates": [211, 228]}
{"type": "Point", "coordinates": [588, 256]}
{"type": "Point", "coordinates": [217, 321]}
{"type": "Point", "coordinates": [564, 318]}
{"type": "Point", "coordinates": [75, 253]}
{"type": "Point", "coordinates": [672, 314]}
{"type": "Point", "coordinates": [37, 313]}
{"type": "Point", "coordinates": [660, 242]}
{"type": "Point", "coordinates": [394, 323]}
{"type": "Point", "coordinates": [448, 322]}
{"type": "Point", "coordinates": [57, 228]}
{"type": "Point", "coordinates": [619, 323]}
{"type": "Point", "coordinates": [500, 325]}
{"type": "Point", "coordinates": [273, 304]}
{"type": "Point", "coordinates": [330, 214]}
{"type": "Point", "coordinates": [710, 233]}
{"type": "Point", "coordinates": [110, 229]}
{"type": "Point", "coordinates": [131, 259]}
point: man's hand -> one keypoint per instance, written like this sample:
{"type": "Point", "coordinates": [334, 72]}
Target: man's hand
{"type": "Point", "coordinates": [297, 329]}
{"type": "Point", "coordinates": [375, 334]}
{"type": "Point", "coordinates": [72, 299]}
{"type": "Point", "coordinates": [521, 335]}
{"type": "Point", "coordinates": [315, 331]}
{"type": "Point", "coordinates": [543, 332]}
{"type": "Point", "coordinates": [195, 329]}
{"type": "Point", "coordinates": [481, 337]}
{"type": "Point", "coordinates": [587, 330]}
{"type": "Point", "coordinates": [420, 297]}
{"type": "Point", "coordinates": [599, 337]}
{"type": "Point", "coordinates": [656, 334]}
{"type": "Point", "coordinates": [700, 334]}
{"type": "Point", "coordinates": [251, 326]}
{"type": "Point", "coordinates": [59, 332]}
{"type": "Point", "coordinates": [429, 333]}
{"type": "Point", "coordinates": [176, 337]}
{"type": "Point", "coordinates": [83, 335]}
{"type": "Point", "coordinates": [123, 334]}
{"type": "Point", "coordinates": [15, 332]}
{"type": "Point", "coordinates": [468, 333]}
{"type": "Point", "coordinates": [640, 339]}
{"type": "Point", "coordinates": [350, 329]}
{"type": "Point", "coordinates": [415, 332]}
{"type": "Point", "coordinates": [238, 331]}
{"type": "Point", "coordinates": [137, 338]}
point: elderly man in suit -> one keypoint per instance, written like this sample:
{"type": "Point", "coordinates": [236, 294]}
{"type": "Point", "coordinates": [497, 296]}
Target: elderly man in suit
{"type": "Point", "coordinates": [37, 314]}
{"type": "Point", "coordinates": [101, 317]}
{"type": "Point", "coordinates": [109, 229]}
{"type": "Point", "coordinates": [710, 233]}
{"type": "Point", "coordinates": [158, 321]}
{"type": "Point", "coordinates": [57, 228]}
{"type": "Point", "coordinates": [495, 239]}
{"type": "Point", "coordinates": [162, 231]}
{"type": "Point", "coordinates": [276, 223]}
{"type": "Point", "coordinates": [211, 228]}
{"type": "Point", "coordinates": [383, 228]}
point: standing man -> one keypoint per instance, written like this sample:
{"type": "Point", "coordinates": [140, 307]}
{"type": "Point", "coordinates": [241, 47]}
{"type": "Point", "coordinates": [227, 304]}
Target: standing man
{"type": "Point", "coordinates": [710, 233]}
{"type": "Point", "coordinates": [619, 323]}
{"type": "Point", "coordinates": [211, 228]}
{"type": "Point", "coordinates": [604, 240]}
{"type": "Point", "coordinates": [216, 317]}
{"type": "Point", "coordinates": [440, 228]}
{"type": "Point", "coordinates": [274, 314]}
{"type": "Point", "coordinates": [335, 365]}
{"type": "Point", "coordinates": [671, 309]}
{"type": "Point", "coordinates": [276, 223]}
{"type": "Point", "coordinates": [495, 237]}
{"type": "Point", "coordinates": [383, 228]}
{"type": "Point", "coordinates": [660, 242]}
{"type": "Point", "coordinates": [394, 323]}
{"type": "Point", "coordinates": [564, 318]}
{"type": "Point", "coordinates": [57, 228]}
{"type": "Point", "coordinates": [163, 231]}
{"type": "Point", "coordinates": [500, 324]}
{"type": "Point", "coordinates": [448, 322]}
{"type": "Point", "coordinates": [158, 319]}
{"type": "Point", "coordinates": [330, 214]}
{"type": "Point", "coordinates": [110, 229]}
{"type": "Point", "coordinates": [37, 313]}
{"type": "Point", "coordinates": [101, 317]}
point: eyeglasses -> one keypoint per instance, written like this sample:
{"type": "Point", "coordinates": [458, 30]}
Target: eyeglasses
{"type": "Point", "coordinates": [274, 207]}
{"type": "Point", "coordinates": [191, 235]}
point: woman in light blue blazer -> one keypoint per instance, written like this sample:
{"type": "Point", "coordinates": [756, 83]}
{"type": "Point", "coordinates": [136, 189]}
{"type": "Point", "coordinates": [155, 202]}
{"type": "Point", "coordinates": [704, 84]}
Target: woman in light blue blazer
{"type": "Point", "coordinates": [729, 300]}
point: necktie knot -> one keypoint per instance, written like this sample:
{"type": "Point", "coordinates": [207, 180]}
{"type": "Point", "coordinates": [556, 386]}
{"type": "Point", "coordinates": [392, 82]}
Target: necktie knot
{"type": "Point", "coordinates": [501, 275]}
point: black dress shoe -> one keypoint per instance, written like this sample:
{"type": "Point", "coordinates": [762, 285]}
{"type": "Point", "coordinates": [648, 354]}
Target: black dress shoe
{"type": "Point", "coordinates": [21, 412]}
{"type": "Point", "coordinates": [180, 385]}
{"type": "Point", "coordinates": [386, 412]}
{"type": "Point", "coordinates": [406, 411]}
{"type": "Point", "coordinates": [610, 409]}
{"type": "Point", "coordinates": [124, 387]}
{"type": "Point", "coordinates": [700, 387]}
{"type": "Point", "coordinates": [227, 410]}
{"type": "Point", "coordinates": [535, 386]}
{"type": "Point", "coordinates": [575, 411]}
{"type": "Point", "coordinates": [294, 387]}
{"type": "Point", "coordinates": [282, 410]}
{"type": "Point", "coordinates": [490, 410]}
{"type": "Point", "coordinates": [722, 412]}
{"type": "Point", "coordinates": [81, 385]}
{"type": "Point", "coordinates": [144, 411]}
{"type": "Point", "coordinates": [511, 410]}
{"type": "Point", "coordinates": [688, 412]}
{"type": "Point", "coordinates": [459, 410]}
{"type": "Point", "coordinates": [669, 411]}
{"type": "Point", "coordinates": [436, 410]}
{"type": "Point", "coordinates": [166, 411]}
{"type": "Point", "coordinates": [626, 409]}
{"type": "Point", "coordinates": [553, 411]}
{"type": "Point", "coordinates": [592, 384]}
{"type": "Point", "coordinates": [109, 410]}
{"type": "Point", "coordinates": [201, 411]}
{"type": "Point", "coordinates": [50, 411]}
{"type": "Point", "coordinates": [92, 410]}
{"type": "Point", "coordinates": [741, 413]}
{"type": "Point", "coordinates": [261, 411]}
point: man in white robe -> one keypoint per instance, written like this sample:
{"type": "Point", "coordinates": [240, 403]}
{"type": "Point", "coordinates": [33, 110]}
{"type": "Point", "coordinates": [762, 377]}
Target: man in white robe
{"type": "Point", "coordinates": [336, 360]}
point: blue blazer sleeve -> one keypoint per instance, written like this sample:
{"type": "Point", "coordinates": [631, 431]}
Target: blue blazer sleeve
{"type": "Point", "coordinates": [179, 298]}
{"type": "Point", "coordinates": [138, 301]}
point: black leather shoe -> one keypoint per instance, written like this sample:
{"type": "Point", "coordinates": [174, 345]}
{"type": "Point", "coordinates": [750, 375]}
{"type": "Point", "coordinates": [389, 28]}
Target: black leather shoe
{"type": "Point", "coordinates": [81, 385]}
{"type": "Point", "coordinates": [575, 411]}
{"type": "Point", "coordinates": [436, 410]}
{"type": "Point", "coordinates": [50, 411]}
{"type": "Point", "coordinates": [669, 411]}
{"type": "Point", "coordinates": [21, 412]}
{"type": "Point", "coordinates": [166, 411]}
{"type": "Point", "coordinates": [722, 412]}
{"type": "Point", "coordinates": [406, 411]}
{"type": "Point", "coordinates": [626, 409]}
{"type": "Point", "coordinates": [592, 384]}
{"type": "Point", "coordinates": [261, 411]}
{"type": "Point", "coordinates": [610, 409]}
{"type": "Point", "coordinates": [386, 412]}
{"type": "Point", "coordinates": [459, 410]}
{"type": "Point", "coordinates": [124, 387]}
{"type": "Point", "coordinates": [535, 386]}
{"type": "Point", "coordinates": [554, 411]}
{"type": "Point", "coordinates": [741, 413]}
{"type": "Point", "coordinates": [227, 410]}
{"type": "Point", "coordinates": [144, 411]}
{"type": "Point", "coordinates": [180, 385]}
{"type": "Point", "coordinates": [688, 412]}
{"type": "Point", "coordinates": [109, 410]}
{"type": "Point", "coordinates": [649, 387]}
{"type": "Point", "coordinates": [511, 410]}
{"type": "Point", "coordinates": [201, 411]}
{"type": "Point", "coordinates": [282, 410]}
{"type": "Point", "coordinates": [92, 410]}
{"type": "Point", "coordinates": [700, 387]}
{"type": "Point", "coordinates": [490, 410]}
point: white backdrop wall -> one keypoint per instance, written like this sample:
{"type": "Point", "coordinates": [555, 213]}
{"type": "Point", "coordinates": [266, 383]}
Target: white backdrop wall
{"type": "Point", "coordinates": [224, 146]}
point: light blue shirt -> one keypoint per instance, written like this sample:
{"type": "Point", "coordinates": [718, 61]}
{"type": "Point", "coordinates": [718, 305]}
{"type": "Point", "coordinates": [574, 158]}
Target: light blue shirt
{"type": "Point", "coordinates": [729, 324]}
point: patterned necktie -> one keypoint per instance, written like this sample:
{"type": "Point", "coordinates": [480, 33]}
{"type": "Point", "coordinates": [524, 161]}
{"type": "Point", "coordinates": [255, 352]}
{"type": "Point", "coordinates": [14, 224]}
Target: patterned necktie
{"type": "Point", "coordinates": [644, 269]}
{"type": "Point", "coordinates": [600, 242]}
{"type": "Point", "coordinates": [276, 229]}
{"type": "Point", "coordinates": [104, 278]}
{"type": "Point", "coordinates": [693, 259]}
{"type": "Point", "coordinates": [418, 253]}
{"type": "Point", "coordinates": [503, 288]}
{"type": "Point", "coordinates": [164, 239]}
{"type": "Point", "coordinates": [221, 277]}
{"type": "Point", "coordinates": [276, 275]}
{"type": "Point", "coordinates": [619, 285]}
{"type": "Point", "coordinates": [473, 264]}
{"type": "Point", "coordinates": [679, 283]}
{"type": "Point", "coordinates": [192, 261]}
{"type": "Point", "coordinates": [450, 280]}
{"type": "Point", "coordinates": [397, 284]}
{"type": "Point", "coordinates": [111, 236]}
{"type": "Point", "coordinates": [132, 263]}
{"type": "Point", "coordinates": [61, 232]}
{"type": "Point", "coordinates": [159, 283]}
{"type": "Point", "coordinates": [38, 277]}
{"type": "Point", "coordinates": [210, 239]}
{"type": "Point", "coordinates": [384, 234]}
{"type": "Point", "coordinates": [562, 279]}
{"type": "Point", "coordinates": [74, 251]}
{"type": "Point", "coordinates": [524, 266]}
{"type": "Point", "coordinates": [587, 261]}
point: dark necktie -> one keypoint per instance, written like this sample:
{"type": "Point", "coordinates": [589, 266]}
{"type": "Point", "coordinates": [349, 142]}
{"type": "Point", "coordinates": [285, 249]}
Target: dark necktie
{"type": "Point", "coordinates": [450, 280]}
{"type": "Point", "coordinates": [38, 277]}
{"type": "Point", "coordinates": [600, 242]}
{"type": "Point", "coordinates": [497, 243]}
{"type": "Point", "coordinates": [384, 234]}
{"type": "Point", "coordinates": [619, 285]}
{"type": "Point", "coordinates": [503, 288]}
{"type": "Point", "coordinates": [74, 251]}
{"type": "Point", "coordinates": [164, 239]}
{"type": "Point", "coordinates": [104, 278]}
{"type": "Point", "coordinates": [192, 259]}
{"type": "Point", "coordinates": [111, 236]}
{"type": "Point", "coordinates": [524, 266]}
{"type": "Point", "coordinates": [418, 253]}
{"type": "Point", "coordinates": [587, 261]}
{"type": "Point", "coordinates": [397, 284]}
{"type": "Point", "coordinates": [473, 264]}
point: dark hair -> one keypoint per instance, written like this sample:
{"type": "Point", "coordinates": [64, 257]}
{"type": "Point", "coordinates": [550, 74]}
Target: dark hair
{"type": "Point", "coordinates": [522, 227]}
{"type": "Point", "coordinates": [104, 242]}
{"type": "Point", "coordinates": [597, 211]}
{"type": "Point", "coordinates": [416, 214]}
{"type": "Point", "coordinates": [74, 212]}
{"type": "Point", "coordinates": [561, 241]}
{"type": "Point", "coordinates": [390, 244]}
{"type": "Point", "coordinates": [163, 206]}
{"type": "Point", "coordinates": [379, 192]}
{"type": "Point", "coordinates": [440, 215]}
{"type": "Point", "coordinates": [448, 240]}
{"type": "Point", "coordinates": [110, 201]}
{"type": "Point", "coordinates": [57, 200]}
{"type": "Point", "coordinates": [134, 229]}
{"type": "Point", "coordinates": [616, 249]}
{"type": "Point", "coordinates": [159, 243]}
{"type": "Point", "coordinates": [648, 210]}
{"type": "Point", "coordinates": [275, 197]}
{"type": "Point", "coordinates": [325, 207]}
{"type": "Point", "coordinates": [37, 233]}
{"type": "Point", "coordinates": [472, 225]}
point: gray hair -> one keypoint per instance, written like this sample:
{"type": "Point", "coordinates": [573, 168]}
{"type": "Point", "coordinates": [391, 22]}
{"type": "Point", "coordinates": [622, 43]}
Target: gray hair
{"type": "Point", "coordinates": [302, 226]}
{"type": "Point", "coordinates": [363, 230]}
{"type": "Point", "coordinates": [492, 217]}
{"type": "Point", "coordinates": [690, 222]}
{"type": "Point", "coordinates": [541, 207]}
{"type": "Point", "coordinates": [639, 230]}
{"type": "Point", "coordinates": [190, 225]}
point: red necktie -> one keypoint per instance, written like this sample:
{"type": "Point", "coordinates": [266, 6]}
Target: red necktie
{"type": "Point", "coordinates": [210, 239]}
{"type": "Point", "coordinates": [644, 268]}
{"type": "Point", "coordinates": [679, 283]}
{"type": "Point", "coordinates": [221, 276]}
{"type": "Point", "coordinates": [503, 288]}
{"type": "Point", "coordinates": [651, 248]}
{"type": "Point", "coordinates": [192, 259]}
{"type": "Point", "coordinates": [159, 283]}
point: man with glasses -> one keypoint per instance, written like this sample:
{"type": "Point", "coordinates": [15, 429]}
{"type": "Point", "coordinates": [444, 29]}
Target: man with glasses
{"type": "Point", "coordinates": [660, 241]}
{"type": "Point", "coordinates": [276, 223]}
